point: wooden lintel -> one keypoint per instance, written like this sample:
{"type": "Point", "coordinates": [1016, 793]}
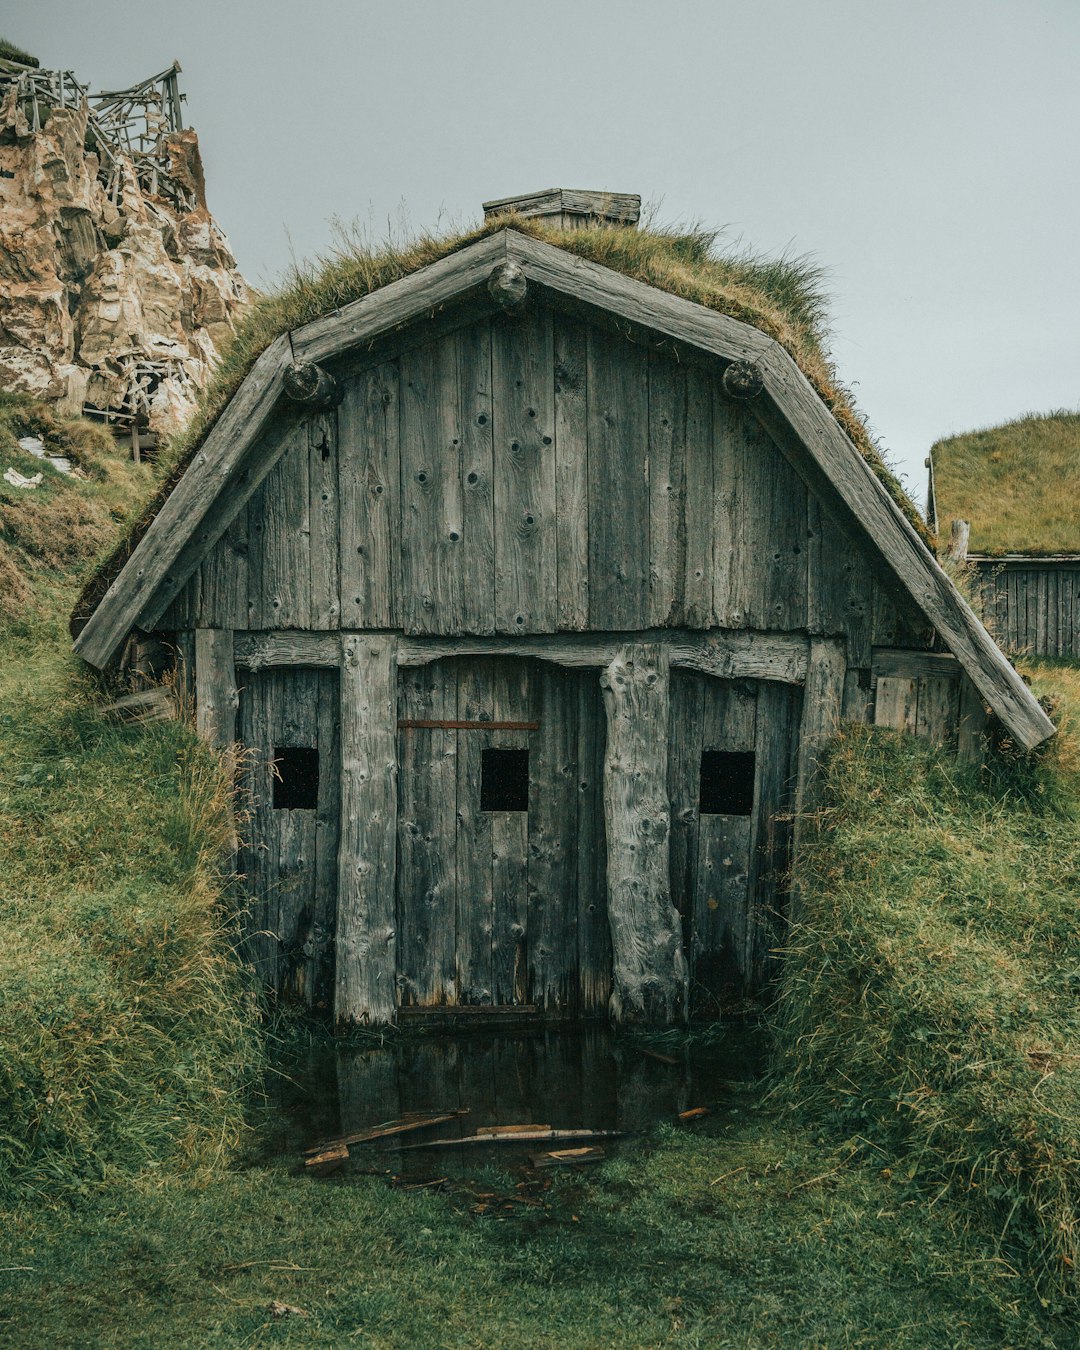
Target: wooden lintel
{"type": "Point", "coordinates": [781, 657]}
{"type": "Point", "coordinates": [910, 664]}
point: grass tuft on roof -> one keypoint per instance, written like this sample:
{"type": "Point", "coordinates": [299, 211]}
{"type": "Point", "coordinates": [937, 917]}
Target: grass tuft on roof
{"type": "Point", "coordinates": [784, 297]}
{"type": "Point", "coordinates": [1018, 485]}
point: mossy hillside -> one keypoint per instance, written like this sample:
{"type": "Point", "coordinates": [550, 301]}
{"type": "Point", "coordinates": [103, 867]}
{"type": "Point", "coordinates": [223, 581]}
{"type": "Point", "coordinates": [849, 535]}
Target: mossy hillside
{"type": "Point", "coordinates": [127, 1031]}
{"type": "Point", "coordinates": [1017, 485]}
{"type": "Point", "coordinates": [783, 297]}
{"type": "Point", "coordinates": [929, 998]}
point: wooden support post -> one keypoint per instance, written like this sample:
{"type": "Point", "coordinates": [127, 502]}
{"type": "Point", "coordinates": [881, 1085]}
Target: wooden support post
{"type": "Point", "coordinates": [959, 537]}
{"type": "Point", "coordinates": [216, 696]}
{"type": "Point", "coordinates": [650, 977]}
{"type": "Point", "coordinates": [366, 946]}
{"type": "Point", "coordinates": [974, 725]}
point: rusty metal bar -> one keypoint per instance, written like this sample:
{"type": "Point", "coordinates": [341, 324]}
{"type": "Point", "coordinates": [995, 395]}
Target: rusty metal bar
{"type": "Point", "coordinates": [425, 723]}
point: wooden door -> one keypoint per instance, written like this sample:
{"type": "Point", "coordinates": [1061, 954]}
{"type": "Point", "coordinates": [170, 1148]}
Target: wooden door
{"type": "Point", "coordinates": [500, 892]}
{"type": "Point", "coordinates": [289, 829]}
{"type": "Point", "coordinates": [731, 777]}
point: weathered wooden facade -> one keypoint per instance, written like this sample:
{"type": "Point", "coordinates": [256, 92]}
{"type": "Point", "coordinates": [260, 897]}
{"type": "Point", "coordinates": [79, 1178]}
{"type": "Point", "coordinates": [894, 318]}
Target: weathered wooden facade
{"type": "Point", "coordinates": [533, 617]}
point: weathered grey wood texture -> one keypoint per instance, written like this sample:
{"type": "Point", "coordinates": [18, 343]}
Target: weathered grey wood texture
{"type": "Point", "coordinates": [289, 858]}
{"type": "Point", "coordinates": [650, 979]}
{"type": "Point", "coordinates": [531, 474]}
{"type": "Point", "coordinates": [501, 908]}
{"type": "Point", "coordinates": [1031, 606]}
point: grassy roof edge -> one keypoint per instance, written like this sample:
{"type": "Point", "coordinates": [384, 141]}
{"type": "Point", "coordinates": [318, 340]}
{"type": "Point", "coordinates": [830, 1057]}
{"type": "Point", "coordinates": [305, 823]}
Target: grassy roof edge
{"type": "Point", "coordinates": [782, 297]}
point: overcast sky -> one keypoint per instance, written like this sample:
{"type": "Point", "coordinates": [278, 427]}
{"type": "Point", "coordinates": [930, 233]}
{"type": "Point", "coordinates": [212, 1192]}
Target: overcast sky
{"type": "Point", "coordinates": [924, 151]}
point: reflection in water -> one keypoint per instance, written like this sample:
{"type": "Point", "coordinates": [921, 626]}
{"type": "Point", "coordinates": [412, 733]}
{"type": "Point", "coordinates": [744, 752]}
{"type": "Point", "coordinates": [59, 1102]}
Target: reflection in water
{"type": "Point", "coordinates": [588, 1077]}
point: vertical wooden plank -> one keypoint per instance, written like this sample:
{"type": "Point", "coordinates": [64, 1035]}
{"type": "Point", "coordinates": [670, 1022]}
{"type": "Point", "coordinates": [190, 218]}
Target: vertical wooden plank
{"type": "Point", "coordinates": [618, 482]}
{"type": "Point", "coordinates": [369, 488]}
{"type": "Point", "coordinates": [432, 510]}
{"type": "Point", "coordinates": [216, 698]}
{"type": "Point", "coordinates": [822, 710]}
{"type": "Point", "coordinates": [938, 705]}
{"type": "Point", "coordinates": [427, 830]}
{"type": "Point", "coordinates": [366, 929]}
{"type": "Point", "coordinates": [571, 473]}
{"type": "Point", "coordinates": [553, 829]}
{"type": "Point", "coordinates": [896, 703]}
{"type": "Point", "coordinates": [1070, 613]}
{"type": "Point", "coordinates": [702, 524]}
{"type": "Point", "coordinates": [778, 712]}
{"type": "Point", "coordinates": [594, 931]}
{"type": "Point", "coordinates": [475, 902]}
{"type": "Point", "coordinates": [839, 584]}
{"type": "Point", "coordinates": [296, 719]}
{"type": "Point", "coordinates": [649, 968]}
{"type": "Point", "coordinates": [684, 769]}
{"type": "Point", "coordinates": [858, 695]}
{"type": "Point", "coordinates": [324, 907]}
{"type": "Point", "coordinates": [760, 566]}
{"type": "Point", "coordinates": [667, 491]}
{"type": "Point", "coordinates": [258, 844]}
{"type": "Point", "coordinates": [974, 721]}
{"type": "Point", "coordinates": [323, 521]}
{"type": "Point", "coordinates": [223, 578]}
{"type": "Point", "coordinates": [475, 556]}
{"type": "Point", "coordinates": [283, 585]}
{"type": "Point", "coordinates": [721, 888]}
{"type": "Point", "coordinates": [523, 384]}
{"type": "Point", "coordinates": [510, 844]}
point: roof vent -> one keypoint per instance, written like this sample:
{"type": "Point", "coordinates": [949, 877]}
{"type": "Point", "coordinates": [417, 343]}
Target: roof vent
{"type": "Point", "coordinates": [571, 209]}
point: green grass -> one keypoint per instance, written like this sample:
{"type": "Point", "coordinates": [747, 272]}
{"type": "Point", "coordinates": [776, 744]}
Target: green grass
{"type": "Point", "coordinates": [127, 1032]}
{"type": "Point", "coordinates": [749, 1232]}
{"type": "Point", "coordinates": [1016, 484]}
{"type": "Point", "coordinates": [930, 990]}
{"type": "Point", "coordinates": [783, 297]}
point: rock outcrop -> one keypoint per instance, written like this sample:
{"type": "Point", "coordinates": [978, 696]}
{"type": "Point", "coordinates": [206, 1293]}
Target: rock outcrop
{"type": "Point", "coordinates": [117, 288]}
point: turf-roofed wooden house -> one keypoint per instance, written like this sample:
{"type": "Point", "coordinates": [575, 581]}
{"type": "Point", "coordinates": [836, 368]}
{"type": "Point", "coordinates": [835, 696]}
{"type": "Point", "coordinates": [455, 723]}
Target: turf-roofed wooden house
{"type": "Point", "coordinates": [1007, 500]}
{"type": "Point", "coordinates": [533, 590]}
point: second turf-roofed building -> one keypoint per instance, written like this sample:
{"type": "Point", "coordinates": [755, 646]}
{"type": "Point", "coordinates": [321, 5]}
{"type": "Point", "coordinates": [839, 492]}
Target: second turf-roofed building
{"type": "Point", "coordinates": [1007, 501]}
{"type": "Point", "coordinates": [533, 582]}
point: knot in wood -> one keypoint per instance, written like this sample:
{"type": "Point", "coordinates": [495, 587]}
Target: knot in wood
{"type": "Point", "coordinates": [507, 286]}
{"type": "Point", "coordinates": [742, 379]}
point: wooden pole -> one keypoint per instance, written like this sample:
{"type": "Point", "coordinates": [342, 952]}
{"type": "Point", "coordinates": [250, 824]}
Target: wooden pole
{"type": "Point", "coordinates": [305, 382]}
{"type": "Point", "coordinates": [650, 976]}
{"type": "Point", "coordinates": [507, 286]}
{"type": "Point", "coordinates": [742, 380]}
{"type": "Point", "coordinates": [366, 946]}
{"type": "Point", "coordinates": [959, 537]}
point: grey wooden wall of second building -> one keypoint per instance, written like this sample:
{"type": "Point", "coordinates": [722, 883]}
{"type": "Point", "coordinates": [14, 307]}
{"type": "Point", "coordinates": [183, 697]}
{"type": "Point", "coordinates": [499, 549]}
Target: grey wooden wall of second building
{"type": "Point", "coordinates": [536, 474]}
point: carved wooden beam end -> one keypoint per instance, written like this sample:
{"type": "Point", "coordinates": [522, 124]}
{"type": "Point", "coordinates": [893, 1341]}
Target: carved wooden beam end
{"type": "Point", "coordinates": [305, 382]}
{"type": "Point", "coordinates": [507, 286]}
{"type": "Point", "coordinates": [742, 380]}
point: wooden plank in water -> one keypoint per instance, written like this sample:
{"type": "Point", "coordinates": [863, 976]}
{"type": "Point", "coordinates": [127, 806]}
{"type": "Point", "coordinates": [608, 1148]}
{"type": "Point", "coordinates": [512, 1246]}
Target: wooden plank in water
{"type": "Point", "coordinates": [412, 1120]}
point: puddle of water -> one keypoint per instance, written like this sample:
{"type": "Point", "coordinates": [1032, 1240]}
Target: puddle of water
{"type": "Point", "coordinates": [587, 1078]}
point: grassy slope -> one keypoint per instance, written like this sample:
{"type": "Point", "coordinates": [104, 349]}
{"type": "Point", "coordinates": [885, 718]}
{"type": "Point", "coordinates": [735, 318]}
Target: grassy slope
{"type": "Point", "coordinates": [1017, 484]}
{"type": "Point", "coordinates": [125, 1031]}
{"type": "Point", "coordinates": [930, 993]}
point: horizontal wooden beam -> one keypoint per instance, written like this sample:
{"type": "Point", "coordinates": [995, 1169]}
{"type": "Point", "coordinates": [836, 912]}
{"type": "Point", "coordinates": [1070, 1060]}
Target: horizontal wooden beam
{"type": "Point", "coordinates": [890, 662]}
{"type": "Point", "coordinates": [456, 724]}
{"type": "Point", "coordinates": [781, 657]}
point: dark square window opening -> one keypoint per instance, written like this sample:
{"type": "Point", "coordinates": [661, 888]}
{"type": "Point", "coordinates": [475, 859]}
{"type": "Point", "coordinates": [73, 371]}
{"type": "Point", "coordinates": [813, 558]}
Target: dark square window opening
{"type": "Point", "coordinates": [296, 778]}
{"type": "Point", "coordinates": [504, 780]}
{"type": "Point", "coordinates": [727, 783]}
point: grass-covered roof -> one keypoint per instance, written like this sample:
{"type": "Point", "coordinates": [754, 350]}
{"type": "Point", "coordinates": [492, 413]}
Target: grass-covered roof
{"type": "Point", "coordinates": [1018, 485]}
{"type": "Point", "coordinates": [783, 297]}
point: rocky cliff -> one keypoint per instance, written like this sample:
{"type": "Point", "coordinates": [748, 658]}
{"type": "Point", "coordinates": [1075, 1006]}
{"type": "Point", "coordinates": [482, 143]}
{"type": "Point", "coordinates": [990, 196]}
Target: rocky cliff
{"type": "Point", "coordinates": [117, 288]}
